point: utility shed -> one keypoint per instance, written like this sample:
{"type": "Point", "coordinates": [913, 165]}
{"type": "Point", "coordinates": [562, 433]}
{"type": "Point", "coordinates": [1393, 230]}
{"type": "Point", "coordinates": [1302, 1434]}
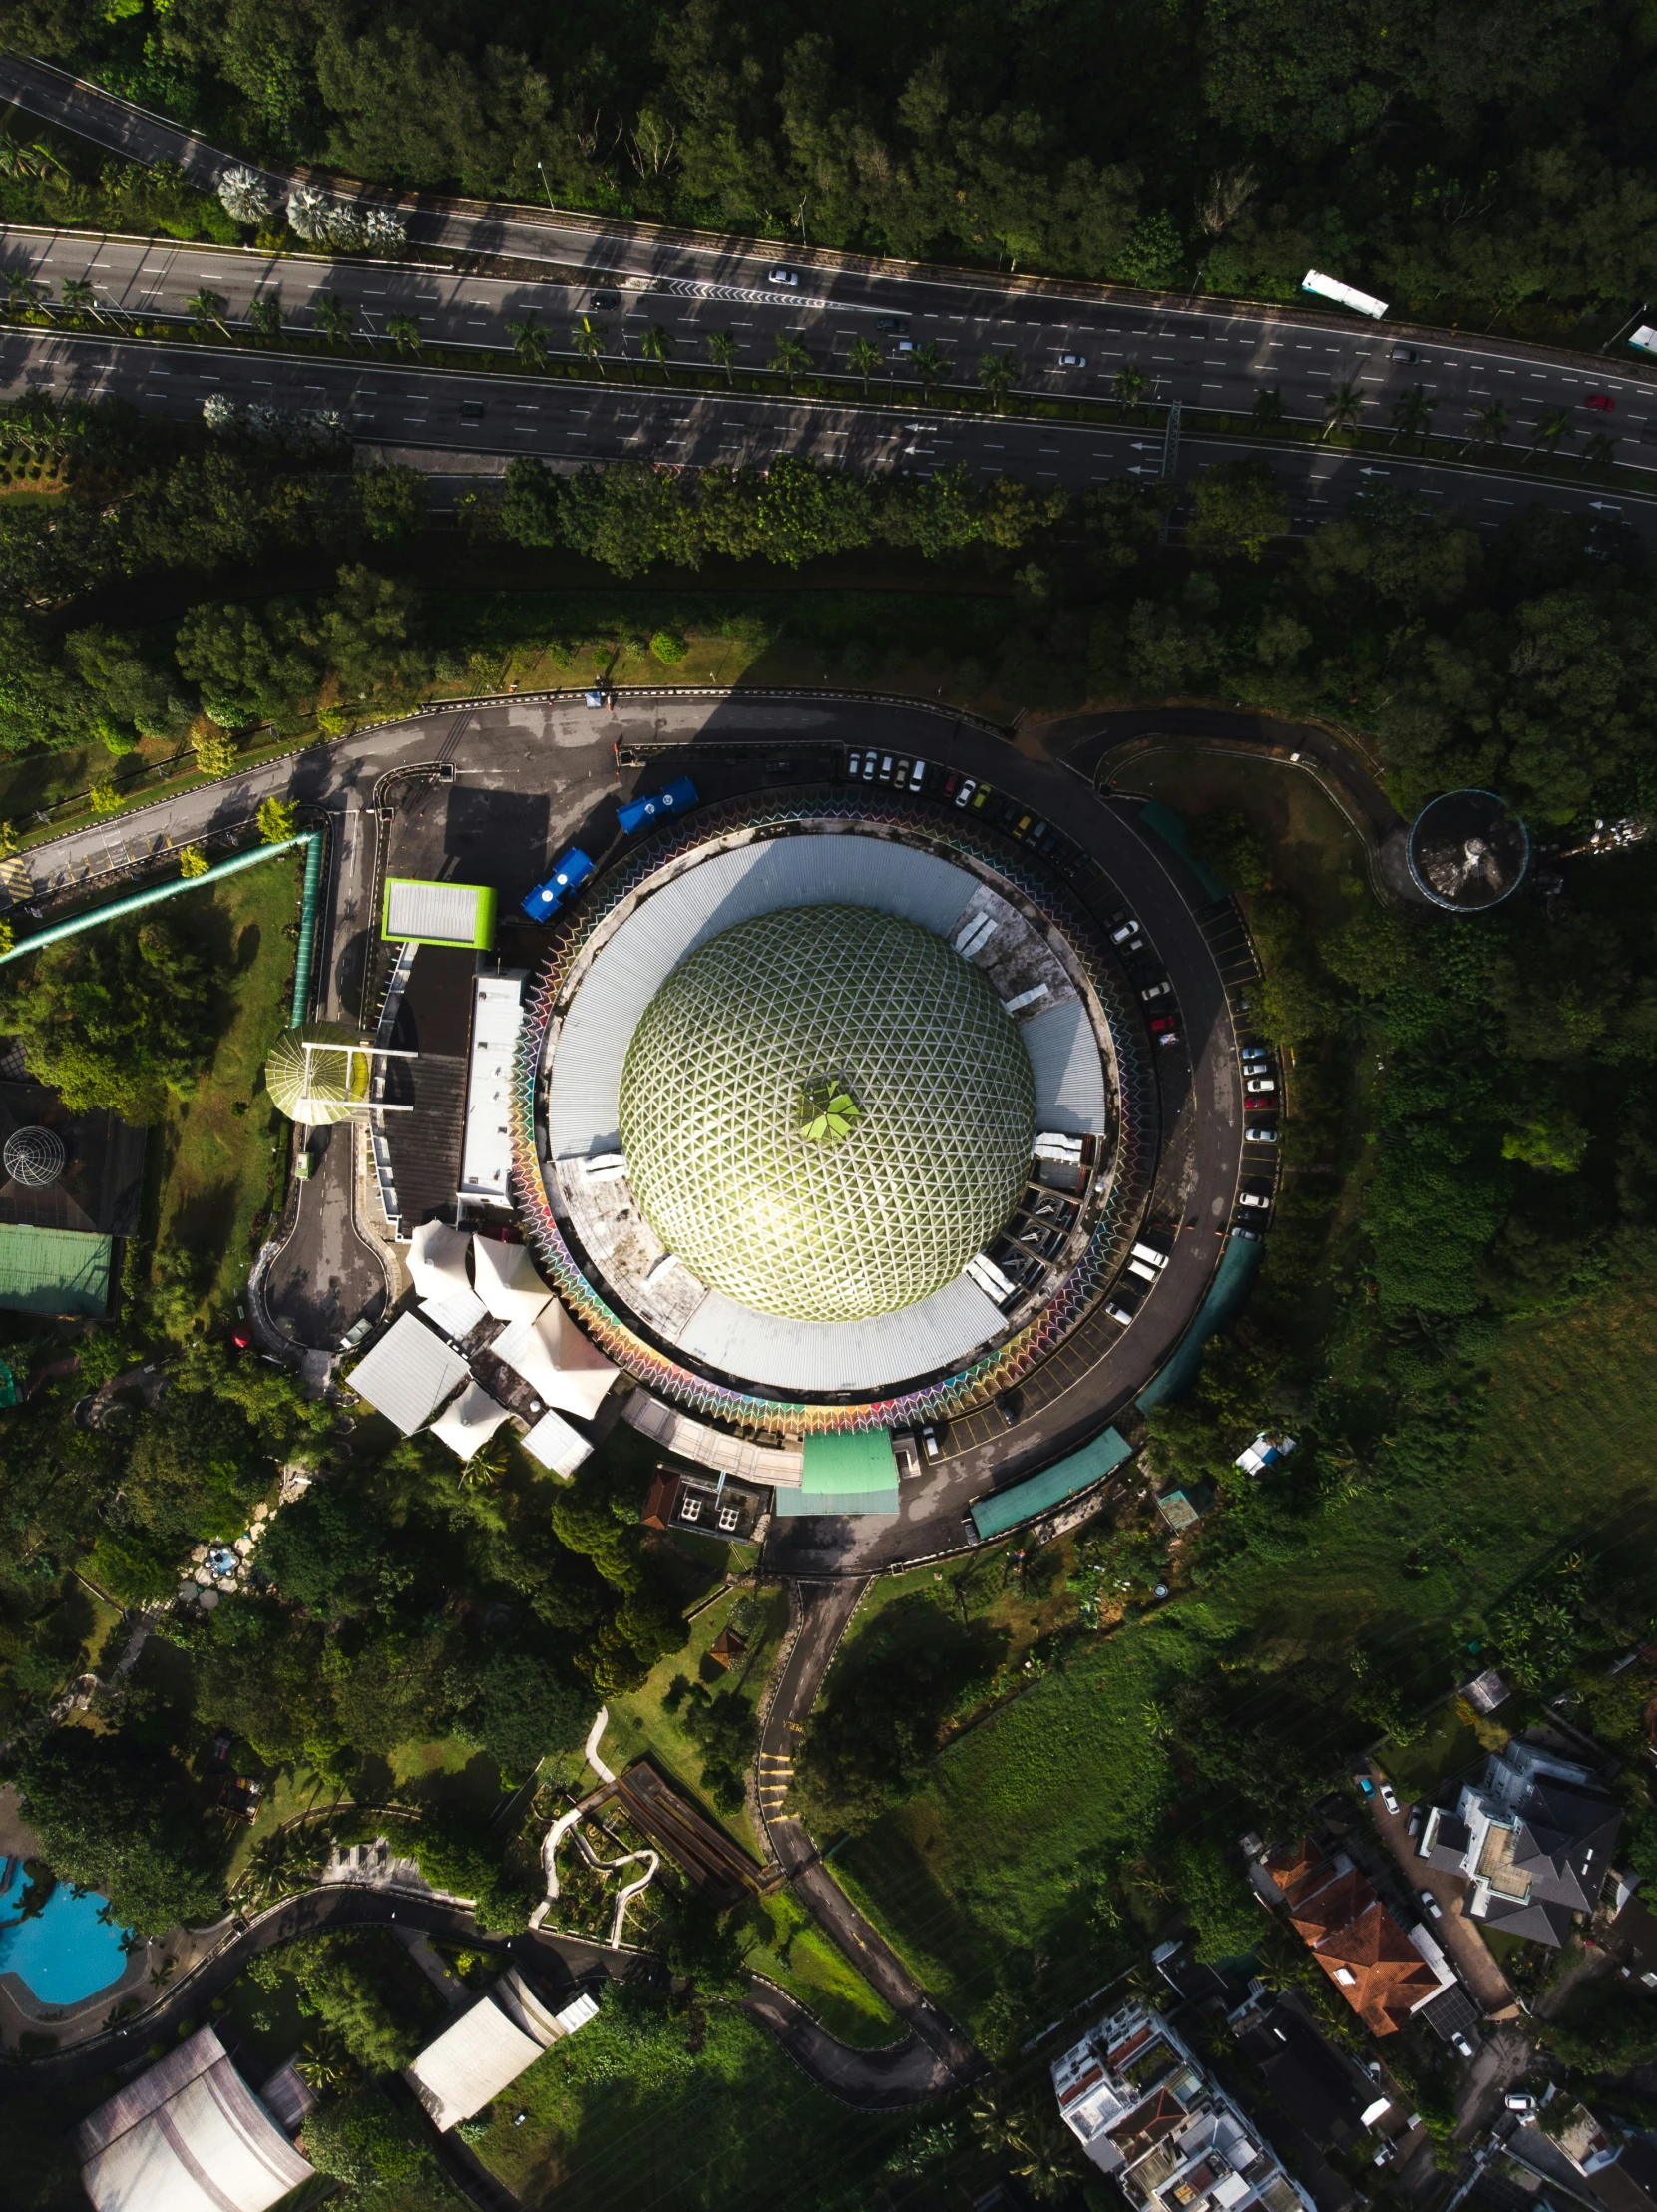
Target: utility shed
{"type": "Point", "coordinates": [187, 2136]}
{"type": "Point", "coordinates": [461, 915]}
{"type": "Point", "coordinates": [993, 1517]}
{"type": "Point", "coordinates": [488, 2047]}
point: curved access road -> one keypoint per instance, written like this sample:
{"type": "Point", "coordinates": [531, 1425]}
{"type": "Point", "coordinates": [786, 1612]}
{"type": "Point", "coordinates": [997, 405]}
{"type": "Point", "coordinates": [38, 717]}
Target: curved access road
{"type": "Point", "coordinates": [1205, 353]}
{"type": "Point", "coordinates": [871, 2081]}
{"type": "Point", "coordinates": [937, 2054]}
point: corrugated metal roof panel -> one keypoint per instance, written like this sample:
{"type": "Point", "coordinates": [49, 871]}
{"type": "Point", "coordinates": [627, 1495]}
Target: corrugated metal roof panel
{"type": "Point", "coordinates": [53, 1270]}
{"type": "Point", "coordinates": [1070, 1080]}
{"type": "Point", "coordinates": [861, 1460]}
{"type": "Point", "coordinates": [434, 913]}
{"type": "Point", "coordinates": [933, 1333]}
{"type": "Point", "coordinates": [409, 1374]}
{"type": "Point", "coordinates": [794, 1504]}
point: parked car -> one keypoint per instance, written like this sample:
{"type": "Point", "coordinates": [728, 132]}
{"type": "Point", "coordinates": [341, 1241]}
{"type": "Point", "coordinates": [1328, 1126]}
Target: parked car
{"type": "Point", "coordinates": [1601, 403]}
{"type": "Point", "coordinates": [1259, 1137]}
{"type": "Point", "coordinates": [1386, 1797]}
{"type": "Point", "coordinates": [1120, 1310]}
{"type": "Point", "coordinates": [1462, 2045]}
{"type": "Point", "coordinates": [1162, 990]}
{"type": "Point", "coordinates": [568, 876]}
{"type": "Point", "coordinates": [1256, 1195]}
{"type": "Point", "coordinates": [1254, 1056]}
{"type": "Point", "coordinates": [1434, 1909]}
{"type": "Point", "coordinates": [1072, 361]}
{"type": "Point", "coordinates": [951, 785]}
{"type": "Point", "coordinates": [1365, 1788]}
{"type": "Point", "coordinates": [931, 1442]}
{"type": "Point", "coordinates": [963, 797]}
{"type": "Point", "coordinates": [1010, 1406]}
{"type": "Point", "coordinates": [1165, 1029]}
{"type": "Point", "coordinates": [1259, 1087]}
{"type": "Point", "coordinates": [854, 765]}
{"type": "Point", "coordinates": [785, 277]}
{"type": "Point", "coordinates": [1248, 1236]}
{"type": "Point", "coordinates": [1123, 927]}
{"type": "Point", "coordinates": [1519, 2100]}
{"type": "Point", "coordinates": [1253, 1104]}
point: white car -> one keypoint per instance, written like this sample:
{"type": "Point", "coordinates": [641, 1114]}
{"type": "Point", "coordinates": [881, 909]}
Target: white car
{"type": "Point", "coordinates": [1434, 1910]}
{"type": "Point", "coordinates": [1386, 1797]}
{"type": "Point", "coordinates": [1260, 1087]}
{"type": "Point", "coordinates": [1518, 2101]}
{"type": "Point", "coordinates": [1247, 1198]}
{"type": "Point", "coordinates": [1072, 361]}
{"type": "Point", "coordinates": [1259, 1136]}
{"type": "Point", "coordinates": [1124, 931]}
{"type": "Point", "coordinates": [1461, 2043]}
{"type": "Point", "coordinates": [963, 797]}
{"type": "Point", "coordinates": [1156, 990]}
{"type": "Point", "coordinates": [782, 276]}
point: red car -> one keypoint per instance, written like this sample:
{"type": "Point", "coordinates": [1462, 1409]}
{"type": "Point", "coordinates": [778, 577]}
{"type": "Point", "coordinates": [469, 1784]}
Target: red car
{"type": "Point", "coordinates": [1259, 1105]}
{"type": "Point", "coordinates": [1601, 403]}
{"type": "Point", "coordinates": [1165, 1029]}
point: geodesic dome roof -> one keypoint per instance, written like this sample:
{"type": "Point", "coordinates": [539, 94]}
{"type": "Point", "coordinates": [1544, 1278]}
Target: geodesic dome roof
{"type": "Point", "coordinates": [826, 1112]}
{"type": "Point", "coordinates": [336, 1081]}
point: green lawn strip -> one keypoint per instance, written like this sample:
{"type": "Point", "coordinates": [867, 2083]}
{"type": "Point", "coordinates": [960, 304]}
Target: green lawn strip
{"type": "Point", "coordinates": [979, 1864]}
{"type": "Point", "coordinates": [641, 1726]}
{"type": "Point", "coordinates": [792, 1951]}
{"type": "Point", "coordinates": [221, 1169]}
{"type": "Point", "coordinates": [1450, 1748]}
{"type": "Point", "coordinates": [641, 2111]}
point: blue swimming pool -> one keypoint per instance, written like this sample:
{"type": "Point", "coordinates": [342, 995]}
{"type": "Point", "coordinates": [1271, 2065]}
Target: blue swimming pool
{"type": "Point", "coordinates": [64, 1954]}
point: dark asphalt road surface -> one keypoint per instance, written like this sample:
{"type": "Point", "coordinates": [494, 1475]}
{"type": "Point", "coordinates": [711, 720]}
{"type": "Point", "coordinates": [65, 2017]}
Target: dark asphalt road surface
{"type": "Point", "coordinates": [1203, 352]}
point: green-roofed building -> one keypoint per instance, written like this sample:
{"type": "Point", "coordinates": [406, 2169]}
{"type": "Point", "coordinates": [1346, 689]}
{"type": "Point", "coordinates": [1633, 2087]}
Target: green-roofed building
{"type": "Point", "coordinates": [460, 915]}
{"type": "Point", "coordinates": [53, 1270]}
{"type": "Point", "coordinates": [1066, 1477]}
{"type": "Point", "coordinates": [855, 1473]}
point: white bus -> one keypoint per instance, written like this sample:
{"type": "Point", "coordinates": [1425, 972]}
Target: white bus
{"type": "Point", "coordinates": [1329, 287]}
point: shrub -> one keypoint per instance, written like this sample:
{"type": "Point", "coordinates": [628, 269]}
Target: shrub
{"type": "Point", "coordinates": [670, 648]}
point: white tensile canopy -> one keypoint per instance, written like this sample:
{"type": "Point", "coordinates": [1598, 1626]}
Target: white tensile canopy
{"type": "Point", "coordinates": [559, 1447]}
{"type": "Point", "coordinates": [506, 1280]}
{"type": "Point", "coordinates": [187, 2136]}
{"type": "Point", "coordinates": [557, 1361]}
{"type": "Point", "coordinates": [470, 1421]}
{"type": "Point", "coordinates": [488, 2047]}
{"type": "Point", "coordinates": [409, 1374]}
{"type": "Point", "coordinates": [436, 1261]}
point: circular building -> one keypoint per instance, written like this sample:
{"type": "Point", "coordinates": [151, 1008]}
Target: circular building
{"type": "Point", "coordinates": [1468, 850]}
{"type": "Point", "coordinates": [317, 1075]}
{"type": "Point", "coordinates": [831, 1112]}
{"type": "Point", "coordinates": [34, 1159]}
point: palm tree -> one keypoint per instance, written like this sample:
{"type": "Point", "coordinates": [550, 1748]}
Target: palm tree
{"type": "Point", "coordinates": [1489, 424]}
{"type": "Point", "coordinates": [723, 349]}
{"type": "Point", "coordinates": [1599, 452]}
{"type": "Point", "coordinates": [78, 295]}
{"type": "Point", "coordinates": [1412, 411]}
{"type": "Point", "coordinates": [264, 318]}
{"type": "Point", "coordinates": [998, 376]}
{"type": "Point", "coordinates": [1555, 426]}
{"type": "Point", "coordinates": [207, 311]}
{"type": "Point", "coordinates": [863, 357]}
{"type": "Point", "coordinates": [587, 337]}
{"type": "Point", "coordinates": [334, 318]}
{"type": "Point", "coordinates": [1267, 411]}
{"type": "Point", "coordinates": [1126, 385]}
{"type": "Point", "coordinates": [657, 345]}
{"type": "Point", "coordinates": [790, 359]}
{"type": "Point", "coordinates": [404, 332]}
{"type": "Point", "coordinates": [1341, 408]}
{"type": "Point", "coordinates": [932, 367]}
{"type": "Point", "coordinates": [20, 291]}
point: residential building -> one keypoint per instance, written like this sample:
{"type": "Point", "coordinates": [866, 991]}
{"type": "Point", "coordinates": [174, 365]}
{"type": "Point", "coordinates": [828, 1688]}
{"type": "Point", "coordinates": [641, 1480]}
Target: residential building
{"type": "Point", "coordinates": [1620, 2169]}
{"type": "Point", "coordinates": [1535, 1838]}
{"type": "Point", "coordinates": [1383, 1973]}
{"type": "Point", "coordinates": [1149, 2116]}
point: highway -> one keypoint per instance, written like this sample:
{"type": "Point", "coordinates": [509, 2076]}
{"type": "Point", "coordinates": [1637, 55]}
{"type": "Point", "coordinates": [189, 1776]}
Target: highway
{"type": "Point", "coordinates": [430, 415]}
{"type": "Point", "coordinates": [1203, 352]}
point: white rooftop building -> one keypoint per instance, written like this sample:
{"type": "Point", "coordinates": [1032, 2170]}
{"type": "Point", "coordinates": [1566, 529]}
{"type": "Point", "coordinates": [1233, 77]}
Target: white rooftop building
{"type": "Point", "coordinates": [187, 2136]}
{"type": "Point", "coordinates": [1147, 2115]}
{"type": "Point", "coordinates": [486, 1146]}
{"type": "Point", "coordinates": [488, 2047]}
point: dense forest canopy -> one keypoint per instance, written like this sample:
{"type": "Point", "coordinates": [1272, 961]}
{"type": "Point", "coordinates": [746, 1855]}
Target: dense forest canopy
{"type": "Point", "coordinates": [1491, 153]}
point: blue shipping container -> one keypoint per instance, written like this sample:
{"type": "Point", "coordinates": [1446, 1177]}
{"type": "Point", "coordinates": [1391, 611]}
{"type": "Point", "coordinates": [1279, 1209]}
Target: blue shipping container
{"type": "Point", "coordinates": [568, 875]}
{"type": "Point", "coordinates": [678, 799]}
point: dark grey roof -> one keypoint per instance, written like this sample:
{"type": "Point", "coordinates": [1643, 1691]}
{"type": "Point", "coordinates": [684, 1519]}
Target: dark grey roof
{"type": "Point", "coordinates": [1565, 1844]}
{"type": "Point", "coordinates": [1541, 1920]}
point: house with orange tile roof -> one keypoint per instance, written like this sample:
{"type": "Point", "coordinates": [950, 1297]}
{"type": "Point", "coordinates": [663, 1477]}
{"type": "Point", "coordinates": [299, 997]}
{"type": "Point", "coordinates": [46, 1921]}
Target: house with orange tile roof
{"type": "Point", "coordinates": [1383, 1973]}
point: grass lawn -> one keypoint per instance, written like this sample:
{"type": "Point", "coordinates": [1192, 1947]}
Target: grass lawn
{"type": "Point", "coordinates": [792, 1951]}
{"type": "Point", "coordinates": [641, 1725]}
{"type": "Point", "coordinates": [1451, 1747]}
{"type": "Point", "coordinates": [641, 2112]}
{"type": "Point", "coordinates": [218, 1169]}
{"type": "Point", "coordinates": [973, 1879]}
